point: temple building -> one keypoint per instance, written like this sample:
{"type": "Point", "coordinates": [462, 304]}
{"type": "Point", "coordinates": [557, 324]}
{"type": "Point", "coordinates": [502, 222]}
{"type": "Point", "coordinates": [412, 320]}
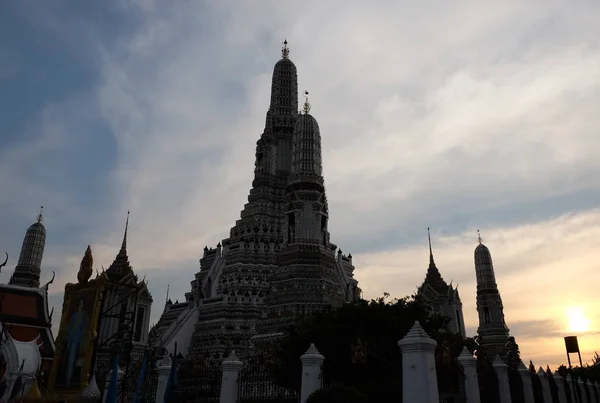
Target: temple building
{"type": "Point", "coordinates": [27, 344]}
{"type": "Point", "coordinates": [278, 262]}
{"type": "Point", "coordinates": [441, 297]}
{"type": "Point", "coordinates": [493, 334]}
{"type": "Point", "coordinates": [125, 314]}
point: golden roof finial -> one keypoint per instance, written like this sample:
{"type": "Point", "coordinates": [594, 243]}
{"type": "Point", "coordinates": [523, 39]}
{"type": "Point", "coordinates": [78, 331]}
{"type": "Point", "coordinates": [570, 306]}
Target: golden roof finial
{"type": "Point", "coordinates": [285, 51]}
{"type": "Point", "coordinates": [306, 107]}
{"type": "Point", "coordinates": [479, 238]}
{"type": "Point", "coordinates": [40, 216]}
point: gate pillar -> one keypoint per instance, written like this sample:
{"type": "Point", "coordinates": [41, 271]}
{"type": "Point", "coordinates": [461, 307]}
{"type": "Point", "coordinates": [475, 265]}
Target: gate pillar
{"type": "Point", "coordinates": [503, 383]}
{"type": "Point", "coordinates": [163, 369]}
{"type": "Point", "coordinates": [560, 387]}
{"type": "Point", "coordinates": [545, 385]}
{"type": "Point", "coordinates": [419, 378]}
{"type": "Point", "coordinates": [527, 385]}
{"type": "Point", "coordinates": [312, 372]}
{"type": "Point", "coordinates": [469, 364]}
{"type": "Point", "coordinates": [229, 383]}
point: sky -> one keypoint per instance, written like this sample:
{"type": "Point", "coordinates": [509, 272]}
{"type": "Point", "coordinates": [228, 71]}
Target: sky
{"type": "Point", "coordinates": [458, 116]}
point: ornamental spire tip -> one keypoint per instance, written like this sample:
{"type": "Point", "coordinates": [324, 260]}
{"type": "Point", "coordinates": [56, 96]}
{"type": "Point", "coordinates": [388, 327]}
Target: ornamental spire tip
{"type": "Point", "coordinates": [430, 249]}
{"type": "Point", "coordinates": [285, 51]}
{"type": "Point", "coordinates": [306, 107]}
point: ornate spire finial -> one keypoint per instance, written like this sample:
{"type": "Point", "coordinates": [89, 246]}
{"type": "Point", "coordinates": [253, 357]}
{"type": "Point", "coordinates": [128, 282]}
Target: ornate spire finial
{"type": "Point", "coordinates": [40, 216]}
{"type": "Point", "coordinates": [124, 244]}
{"type": "Point", "coordinates": [479, 239]}
{"type": "Point", "coordinates": [306, 107]}
{"type": "Point", "coordinates": [167, 299]}
{"type": "Point", "coordinates": [285, 51]}
{"type": "Point", "coordinates": [430, 250]}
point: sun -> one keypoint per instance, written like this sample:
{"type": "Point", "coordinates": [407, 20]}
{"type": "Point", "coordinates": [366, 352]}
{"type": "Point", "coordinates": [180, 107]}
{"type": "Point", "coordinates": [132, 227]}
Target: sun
{"type": "Point", "coordinates": [577, 320]}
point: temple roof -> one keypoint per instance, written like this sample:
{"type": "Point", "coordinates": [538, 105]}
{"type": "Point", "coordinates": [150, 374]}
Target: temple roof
{"type": "Point", "coordinates": [120, 267]}
{"type": "Point", "coordinates": [433, 278]}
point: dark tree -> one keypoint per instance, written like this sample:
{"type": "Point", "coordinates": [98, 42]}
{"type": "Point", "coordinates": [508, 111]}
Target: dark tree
{"type": "Point", "coordinates": [360, 344]}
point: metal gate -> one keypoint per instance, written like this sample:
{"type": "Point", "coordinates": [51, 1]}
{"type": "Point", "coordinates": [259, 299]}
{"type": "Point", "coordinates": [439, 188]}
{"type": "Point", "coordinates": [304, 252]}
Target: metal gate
{"type": "Point", "coordinates": [199, 381]}
{"type": "Point", "coordinates": [256, 384]}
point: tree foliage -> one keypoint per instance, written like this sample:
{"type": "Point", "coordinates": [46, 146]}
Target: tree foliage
{"type": "Point", "coordinates": [360, 344]}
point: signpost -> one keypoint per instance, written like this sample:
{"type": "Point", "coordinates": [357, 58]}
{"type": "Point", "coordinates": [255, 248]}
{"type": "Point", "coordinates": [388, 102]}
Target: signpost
{"type": "Point", "coordinates": [572, 346]}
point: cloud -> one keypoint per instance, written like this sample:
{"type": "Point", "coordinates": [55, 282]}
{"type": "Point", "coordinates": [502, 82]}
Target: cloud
{"type": "Point", "coordinates": [455, 117]}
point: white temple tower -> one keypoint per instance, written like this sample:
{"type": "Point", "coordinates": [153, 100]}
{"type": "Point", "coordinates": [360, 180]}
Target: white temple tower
{"type": "Point", "coordinates": [27, 272]}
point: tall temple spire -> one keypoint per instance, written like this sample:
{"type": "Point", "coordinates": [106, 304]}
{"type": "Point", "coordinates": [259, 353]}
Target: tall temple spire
{"type": "Point", "coordinates": [120, 266]}
{"type": "Point", "coordinates": [124, 243]}
{"type": "Point", "coordinates": [40, 216]}
{"type": "Point", "coordinates": [27, 271]}
{"type": "Point", "coordinates": [431, 262]}
{"type": "Point", "coordinates": [433, 277]}
{"type": "Point", "coordinates": [284, 92]}
{"type": "Point", "coordinates": [492, 328]}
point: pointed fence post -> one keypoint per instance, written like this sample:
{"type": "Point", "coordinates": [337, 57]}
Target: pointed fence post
{"type": "Point", "coordinates": [419, 379]}
{"type": "Point", "coordinates": [527, 385]}
{"type": "Point", "coordinates": [560, 386]}
{"type": "Point", "coordinates": [312, 372]}
{"type": "Point", "coordinates": [572, 386]}
{"type": "Point", "coordinates": [229, 381]}
{"type": "Point", "coordinates": [591, 391]}
{"type": "Point", "coordinates": [503, 383]}
{"type": "Point", "coordinates": [545, 385]}
{"type": "Point", "coordinates": [469, 364]}
{"type": "Point", "coordinates": [580, 385]}
{"type": "Point", "coordinates": [163, 369]}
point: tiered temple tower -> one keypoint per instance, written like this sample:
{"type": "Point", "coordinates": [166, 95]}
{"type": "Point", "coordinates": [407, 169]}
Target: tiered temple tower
{"type": "Point", "coordinates": [278, 261]}
{"type": "Point", "coordinates": [493, 332]}
{"type": "Point", "coordinates": [27, 272]}
{"type": "Point", "coordinates": [306, 279]}
{"type": "Point", "coordinates": [442, 298]}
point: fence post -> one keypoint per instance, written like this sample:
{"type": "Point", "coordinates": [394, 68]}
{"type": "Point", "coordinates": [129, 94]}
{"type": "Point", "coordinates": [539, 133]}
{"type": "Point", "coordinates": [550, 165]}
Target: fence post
{"type": "Point", "coordinates": [120, 373]}
{"type": "Point", "coordinates": [560, 386]}
{"type": "Point", "coordinates": [229, 381]}
{"type": "Point", "coordinates": [312, 372]}
{"type": "Point", "coordinates": [591, 391]}
{"type": "Point", "coordinates": [581, 388]}
{"type": "Point", "coordinates": [572, 386]}
{"type": "Point", "coordinates": [469, 364]}
{"type": "Point", "coordinates": [91, 393]}
{"type": "Point", "coordinates": [545, 386]}
{"type": "Point", "coordinates": [419, 379]}
{"type": "Point", "coordinates": [503, 383]}
{"type": "Point", "coordinates": [527, 385]}
{"type": "Point", "coordinates": [163, 369]}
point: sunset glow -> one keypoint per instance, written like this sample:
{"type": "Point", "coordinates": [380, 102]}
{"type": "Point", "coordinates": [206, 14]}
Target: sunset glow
{"type": "Point", "coordinates": [578, 322]}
